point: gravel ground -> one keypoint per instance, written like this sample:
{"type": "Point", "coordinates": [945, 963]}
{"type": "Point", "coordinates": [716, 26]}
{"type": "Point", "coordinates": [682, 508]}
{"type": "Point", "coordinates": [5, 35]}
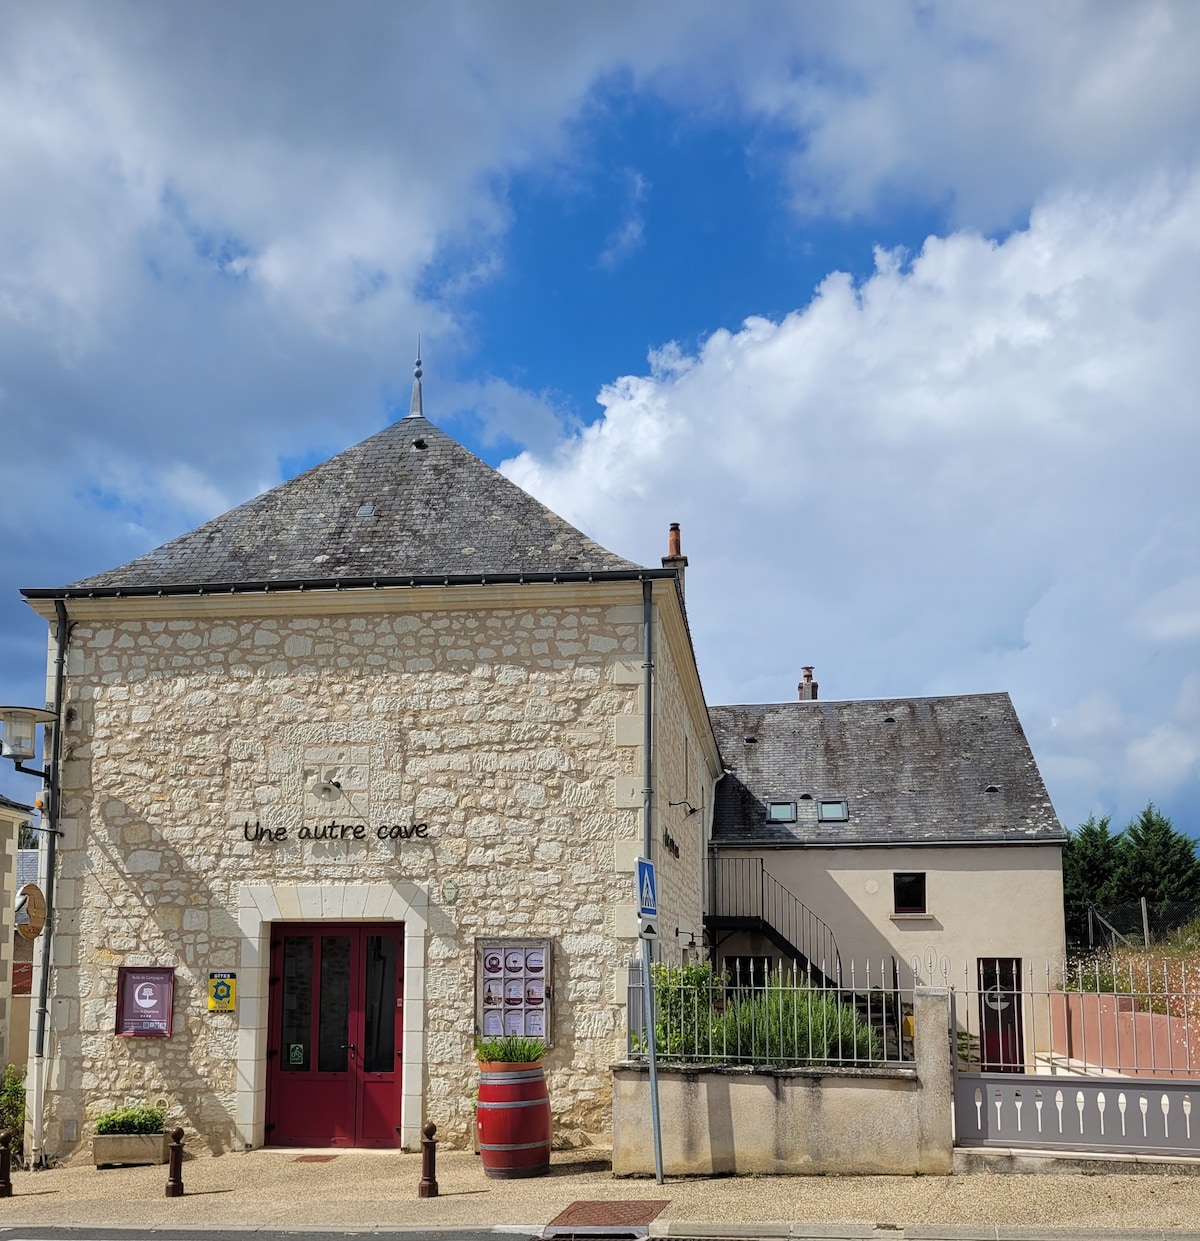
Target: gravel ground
{"type": "Point", "coordinates": [363, 1189]}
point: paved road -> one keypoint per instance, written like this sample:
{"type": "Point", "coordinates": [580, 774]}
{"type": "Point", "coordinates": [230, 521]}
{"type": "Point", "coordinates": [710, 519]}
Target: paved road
{"type": "Point", "coordinates": [283, 1194]}
{"type": "Point", "coordinates": [712, 1232]}
{"type": "Point", "coordinates": [241, 1234]}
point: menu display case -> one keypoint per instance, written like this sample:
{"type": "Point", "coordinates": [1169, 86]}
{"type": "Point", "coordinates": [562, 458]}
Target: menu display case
{"type": "Point", "coordinates": [514, 989]}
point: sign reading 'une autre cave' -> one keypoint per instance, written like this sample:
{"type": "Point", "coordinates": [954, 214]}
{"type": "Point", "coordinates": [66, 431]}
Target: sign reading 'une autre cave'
{"type": "Point", "coordinates": [259, 835]}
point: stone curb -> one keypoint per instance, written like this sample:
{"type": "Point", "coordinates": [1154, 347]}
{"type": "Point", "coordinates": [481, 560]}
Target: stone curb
{"type": "Point", "coordinates": [682, 1230]}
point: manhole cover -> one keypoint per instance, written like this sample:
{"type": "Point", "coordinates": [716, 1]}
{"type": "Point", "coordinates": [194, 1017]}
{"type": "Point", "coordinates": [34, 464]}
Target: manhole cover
{"type": "Point", "coordinates": [313, 1158]}
{"type": "Point", "coordinates": [628, 1213]}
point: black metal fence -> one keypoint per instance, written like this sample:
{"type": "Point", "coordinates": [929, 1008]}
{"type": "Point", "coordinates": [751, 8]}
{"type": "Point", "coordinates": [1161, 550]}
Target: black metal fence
{"type": "Point", "coordinates": [777, 1018]}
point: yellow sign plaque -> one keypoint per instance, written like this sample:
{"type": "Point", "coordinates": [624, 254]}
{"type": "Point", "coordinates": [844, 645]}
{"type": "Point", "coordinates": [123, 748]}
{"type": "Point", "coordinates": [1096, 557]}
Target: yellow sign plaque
{"type": "Point", "coordinates": [222, 993]}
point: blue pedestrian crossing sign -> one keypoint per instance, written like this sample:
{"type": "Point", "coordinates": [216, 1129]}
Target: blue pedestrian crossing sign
{"type": "Point", "coordinates": [647, 889]}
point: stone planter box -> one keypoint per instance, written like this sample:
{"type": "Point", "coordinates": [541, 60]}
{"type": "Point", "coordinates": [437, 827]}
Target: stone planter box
{"type": "Point", "coordinates": [129, 1148]}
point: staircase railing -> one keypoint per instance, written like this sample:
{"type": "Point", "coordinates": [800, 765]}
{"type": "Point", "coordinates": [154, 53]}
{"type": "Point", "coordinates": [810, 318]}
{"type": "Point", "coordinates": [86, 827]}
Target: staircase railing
{"type": "Point", "coordinates": [742, 888]}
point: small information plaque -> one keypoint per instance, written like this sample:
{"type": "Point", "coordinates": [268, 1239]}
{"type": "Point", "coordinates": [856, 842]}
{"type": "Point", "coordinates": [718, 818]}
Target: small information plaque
{"type": "Point", "coordinates": [222, 992]}
{"type": "Point", "coordinates": [145, 1001]}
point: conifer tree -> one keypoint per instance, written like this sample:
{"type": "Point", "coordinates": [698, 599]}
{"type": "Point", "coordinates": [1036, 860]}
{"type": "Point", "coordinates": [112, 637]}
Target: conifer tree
{"type": "Point", "coordinates": [1090, 860]}
{"type": "Point", "coordinates": [1155, 861]}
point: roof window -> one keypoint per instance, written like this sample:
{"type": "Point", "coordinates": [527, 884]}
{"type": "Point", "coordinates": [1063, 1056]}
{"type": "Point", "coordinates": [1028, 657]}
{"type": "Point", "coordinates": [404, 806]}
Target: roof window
{"type": "Point", "coordinates": [749, 738]}
{"type": "Point", "coordinates": [781, 812]}
{"type": "Point", "coordinates": [806, 797]}
{"type": "Point", "coordinates": [365, 510]}
{"type": "Point", "coordinates": [992, 788]}
{"type": "Point", "coordinates": [420, 443]}
{"type": "Point", "coordinates": [889, 719]}
{"type": "Point", "coordinates": [833, 810]}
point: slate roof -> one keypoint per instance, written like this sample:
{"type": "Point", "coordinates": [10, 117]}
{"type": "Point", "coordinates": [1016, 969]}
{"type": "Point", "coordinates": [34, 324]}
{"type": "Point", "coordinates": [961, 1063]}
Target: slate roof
{"type": "Point", "coordinates": [27, 867]}
{"type": "Point", "coordinates": [920, 779]}
{"type": "Point", "coordinates": [7, 803]}
{"type": "Point", "coordinates": [408, 502]}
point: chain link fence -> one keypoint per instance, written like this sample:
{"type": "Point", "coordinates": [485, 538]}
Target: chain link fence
{"type": "Point", "coordinates": [1144, 924]}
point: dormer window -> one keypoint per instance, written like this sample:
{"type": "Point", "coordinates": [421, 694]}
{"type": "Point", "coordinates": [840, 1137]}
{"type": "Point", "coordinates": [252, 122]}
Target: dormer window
{"type": "Point", "coordinates": [833, 810]}
{"type": "Point", "coordinates": [781, 812]}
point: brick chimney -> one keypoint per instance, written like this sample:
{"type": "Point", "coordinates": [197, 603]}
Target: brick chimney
{"type": "Point", "coordinates": [674, 559]}
{"type": "Point", "coordinates": [807, 686]}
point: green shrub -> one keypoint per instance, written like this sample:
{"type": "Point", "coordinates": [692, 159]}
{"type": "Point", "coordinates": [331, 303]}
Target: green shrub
{"type": "Point", "coordinates": [12, 1108]}
{"type": "Point", "coordinates": [783, 1024]}
{"type": "Point", "coordinates": [700, 1017]}
{"type": "Point", "coordinates": [141, 1119]}
{"type": "Point", "coordinates": [511, 1049]}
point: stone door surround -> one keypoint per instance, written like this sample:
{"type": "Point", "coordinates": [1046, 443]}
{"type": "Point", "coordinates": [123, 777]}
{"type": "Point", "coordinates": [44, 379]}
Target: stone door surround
{"type": "Point", "coordinates": [261, 904]}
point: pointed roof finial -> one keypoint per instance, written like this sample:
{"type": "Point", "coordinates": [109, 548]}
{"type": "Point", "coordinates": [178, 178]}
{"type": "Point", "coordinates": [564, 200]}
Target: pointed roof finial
{"type": "Point", "coordinates": [415, 406]}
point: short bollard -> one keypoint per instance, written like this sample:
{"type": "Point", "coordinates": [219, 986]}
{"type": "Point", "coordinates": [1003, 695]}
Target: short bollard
{"type": "Point", "coordinates": [5, 1164]}
{"type": "Point", "coordinates": [175, 1165]}
{"type": "Point", "coordinates": [428, 1187]}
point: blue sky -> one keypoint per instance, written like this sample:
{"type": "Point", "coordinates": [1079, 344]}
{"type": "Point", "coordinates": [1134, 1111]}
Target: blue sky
{"type": "Point", "coordinates": [654, 253]}
{"type": "Point", "coordinates": [893, 307]}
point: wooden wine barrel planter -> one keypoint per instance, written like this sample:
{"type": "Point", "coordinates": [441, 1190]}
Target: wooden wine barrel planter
{"type": "Point", "coordinates": [513, 1119]}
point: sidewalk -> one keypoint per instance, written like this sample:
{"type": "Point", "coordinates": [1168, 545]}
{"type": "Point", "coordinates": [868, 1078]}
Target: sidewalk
{"type": "Point", "coordinates": [370, 1189]}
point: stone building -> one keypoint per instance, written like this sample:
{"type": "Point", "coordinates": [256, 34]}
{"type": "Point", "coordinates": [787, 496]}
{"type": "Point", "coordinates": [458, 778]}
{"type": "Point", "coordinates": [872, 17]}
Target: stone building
{"type": "Point", "coordinates": [350, 774]}
{"type": "Point", "coordinates": [12, 1041]}
{"type": "Point", "coordinates": [360, 770]}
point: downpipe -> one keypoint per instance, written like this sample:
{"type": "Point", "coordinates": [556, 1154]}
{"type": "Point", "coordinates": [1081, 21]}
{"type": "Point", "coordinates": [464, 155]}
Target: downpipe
{"type": "Point", "coordinates": [50, 815]}
{"type": "Point", "coordinates": [648, 846]}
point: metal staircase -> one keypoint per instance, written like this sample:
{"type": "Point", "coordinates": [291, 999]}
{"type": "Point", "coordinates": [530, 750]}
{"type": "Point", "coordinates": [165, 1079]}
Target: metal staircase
{"type": "Point", "coordinates": [743, 896]}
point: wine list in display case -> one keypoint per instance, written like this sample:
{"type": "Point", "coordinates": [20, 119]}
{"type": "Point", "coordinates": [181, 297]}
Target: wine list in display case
{"type": "Point", "coordinates": [514, 987]}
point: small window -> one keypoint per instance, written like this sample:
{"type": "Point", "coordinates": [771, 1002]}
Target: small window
{"type": "Point", "coordinates": [781, 812]}
{"type": "Point", "coordinates": [832, 810]}
{"type": "Point", "coordinates": [909, 889]}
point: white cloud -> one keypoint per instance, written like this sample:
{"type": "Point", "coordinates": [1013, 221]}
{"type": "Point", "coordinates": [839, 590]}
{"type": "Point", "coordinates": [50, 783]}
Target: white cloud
{"type": "Point", "coordinates": [968, 473]}
{"type": "Point", "coordinates": [1173, 612]}
{"type": "Point", "coordinates": [981, 106]}
{"type": "Point", "coordinates": [217, 218]}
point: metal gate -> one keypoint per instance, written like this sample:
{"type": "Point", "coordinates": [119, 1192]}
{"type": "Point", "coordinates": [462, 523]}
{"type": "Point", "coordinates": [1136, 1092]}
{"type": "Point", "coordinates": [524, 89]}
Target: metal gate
{"type": "Point", "coordinates": [1102, 1070]}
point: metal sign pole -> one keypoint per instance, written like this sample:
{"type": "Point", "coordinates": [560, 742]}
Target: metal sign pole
{"type": "Point", "coordinates": [648, 909]}
{"type": "Point", "coordinates": [652, 1056]}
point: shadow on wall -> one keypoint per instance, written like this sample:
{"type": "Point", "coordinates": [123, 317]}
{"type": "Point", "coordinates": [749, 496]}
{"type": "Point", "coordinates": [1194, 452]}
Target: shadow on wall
{"type": "Point", "coordinates": [154, 907]}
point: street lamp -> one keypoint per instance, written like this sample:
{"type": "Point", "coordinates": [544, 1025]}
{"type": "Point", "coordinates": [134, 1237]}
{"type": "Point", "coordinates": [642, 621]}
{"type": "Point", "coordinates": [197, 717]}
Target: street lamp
{"type": "Point", "coordinates": [17, 742]}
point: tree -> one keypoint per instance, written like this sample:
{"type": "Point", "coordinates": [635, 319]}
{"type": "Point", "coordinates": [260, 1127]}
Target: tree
{"type": "Point", "coordinates": [1090, 860]}
{"type": "Point", "coordinates": [1155, 861]}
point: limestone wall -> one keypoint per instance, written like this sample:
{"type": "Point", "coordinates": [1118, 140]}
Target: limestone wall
{"type": "Point", "coordinates": [493, 719]}
{"type": "Point", "coordinates": [683, 777]}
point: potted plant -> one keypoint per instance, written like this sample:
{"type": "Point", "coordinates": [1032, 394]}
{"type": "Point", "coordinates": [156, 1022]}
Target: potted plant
{"type": "Point", "coordinates": [512, 1116]}
{"type": "Point", "coordinates": [130, 1135]}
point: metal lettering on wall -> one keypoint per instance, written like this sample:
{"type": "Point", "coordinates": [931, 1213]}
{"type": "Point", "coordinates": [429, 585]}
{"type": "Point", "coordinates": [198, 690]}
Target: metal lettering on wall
{"type": "Point", "coordinates": [513, 987]}
{"type": "Point", "coordinates": [388, 832]}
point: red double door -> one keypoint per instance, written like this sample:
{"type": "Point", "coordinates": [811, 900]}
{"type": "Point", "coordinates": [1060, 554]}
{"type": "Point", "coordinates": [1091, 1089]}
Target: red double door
{"type": "Point", "coordinates": [335, 1035]}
